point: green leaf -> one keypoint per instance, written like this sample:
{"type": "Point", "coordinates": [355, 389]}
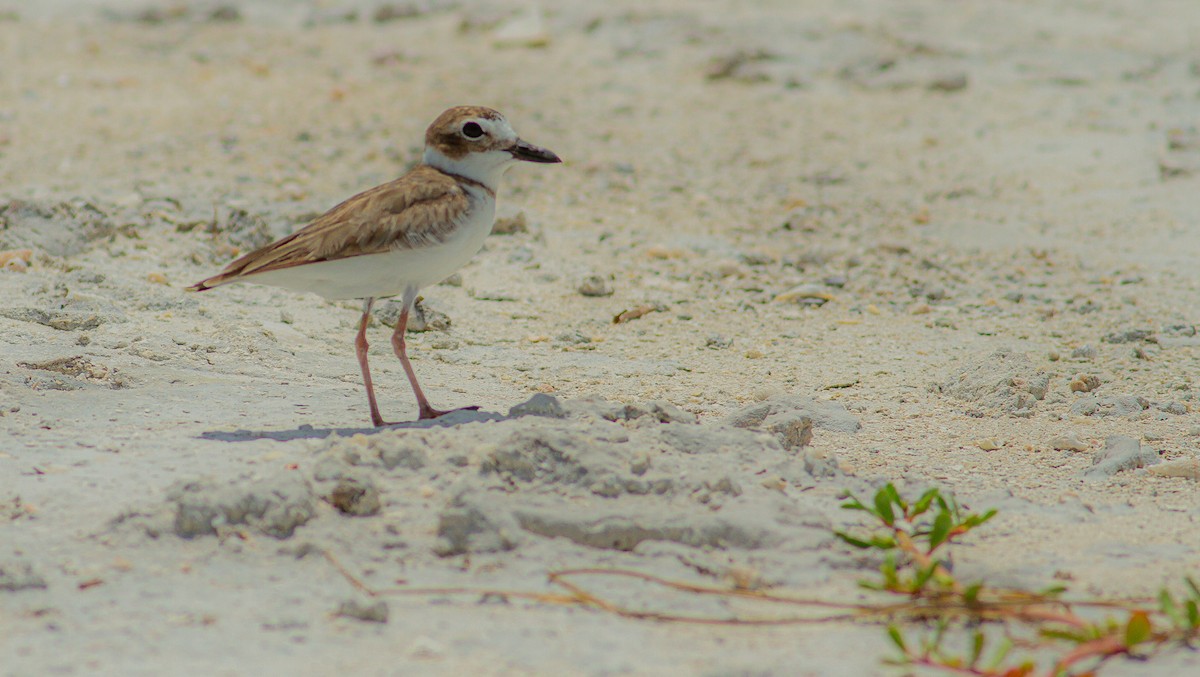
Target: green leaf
{"type": "Point", "coordinates": [971, 594]}
{"type": "Point", "coordinates": [1169, 608]}
{"type": "Point", "coordinates": [894, 497]}
{"type": "Point", "coordinates": [897, 638]}
{"type": "Point", "coordinates": [854, 504]}
{"type": "Point", "coordinates": [924, 502]}
{"type": "Point", "coordinates": [1138, 629]}
{"type": "Point", "coordinates": [1193, 613]}
{"type": "Point", "coordinates": [977, 642]}
{"type": "Point", "coordinates": [888, 570]}
{"type": "Point", "coordinates": [923, 576]}
{"type": "Point", "coordinates": [973, 521]}
{"type": "Point", "coordinates": [940, 531]}
{"type": "Point", "coordinates": [856, 542]}
{"type": "Point", "coordinates": [883, 507]}
{"type": "Point", "coordinates": [1064, 634]}
{"type": "Point", "coordinates": [1052, 590]}
{"type": "Point", "coordinates": [1001, 653]}
{"type": "Point", "coordinates": [883, 542]}
{"type": "Point", "coordinates": [1192, 586]}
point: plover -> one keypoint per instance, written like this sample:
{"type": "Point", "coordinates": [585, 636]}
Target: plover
{"type": "Point", "coordinates": [403, 235]}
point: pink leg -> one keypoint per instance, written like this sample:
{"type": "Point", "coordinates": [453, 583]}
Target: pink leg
{"type": "Point", "coordinates": [360, 347]}
{"type": "Point", "coordinates": [426, 411]}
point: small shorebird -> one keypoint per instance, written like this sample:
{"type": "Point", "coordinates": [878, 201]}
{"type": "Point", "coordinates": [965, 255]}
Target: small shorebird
{"type": "Point", "coordinates": [403, 235]}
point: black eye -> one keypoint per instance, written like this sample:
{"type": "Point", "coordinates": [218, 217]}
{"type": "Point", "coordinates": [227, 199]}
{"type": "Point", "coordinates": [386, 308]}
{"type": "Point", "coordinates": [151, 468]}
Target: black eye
{"type": "Point", "coordinates": [472, 130]}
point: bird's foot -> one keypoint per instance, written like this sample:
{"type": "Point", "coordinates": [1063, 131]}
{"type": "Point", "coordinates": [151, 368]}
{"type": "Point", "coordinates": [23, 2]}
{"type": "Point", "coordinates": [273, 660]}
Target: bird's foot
{"type": "Point", "coordinates": [429, 412]}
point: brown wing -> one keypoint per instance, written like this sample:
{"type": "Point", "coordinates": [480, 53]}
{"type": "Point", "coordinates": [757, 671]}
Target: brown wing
{"type": "Point", "coordinates": [420, 209]}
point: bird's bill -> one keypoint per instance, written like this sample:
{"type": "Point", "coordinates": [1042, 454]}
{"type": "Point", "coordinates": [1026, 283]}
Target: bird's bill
{"type": "Point", "coordinates": [523, 150]}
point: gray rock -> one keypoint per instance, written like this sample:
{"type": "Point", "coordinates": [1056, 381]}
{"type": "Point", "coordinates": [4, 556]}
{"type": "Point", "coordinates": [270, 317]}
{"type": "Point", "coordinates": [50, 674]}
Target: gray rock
{"type": "Point", "coordinates": [775, 411]}
{"type": "Point", "coordinates": [20, 575]}
{"type": "Point", "coordinates": [421, 318]}
{"type": "Point", "coordinates": [466, 526]}
{"type": "Point", "coordinates": [553, 454]}
{"type": "Point", "coordinates": [1119, 453]}
{"type": "Point", "coordinates": [540, 404]}
{"type": "Point", "coordinates": [371, 613]}
{"type": "Point", "coordinates": [1176, 408]}
{"type": "Point", "coordinates": [1128, 336]}
{"type": "Point", "coordinates": [624, 531]}
{"type": "Point", "coordinates": [663, 412]}
{"type": "Point", "coordinates": [511, 225]}
{"type": "Point", "coordinates": [595, 285]}
{"type": "Point", "coordinates": [275, 505]}
{"type": "Point", "coordinates": [403, 452]}
{"type": "Point", "coordinates": [718, 342]}
{"type": "Point", "coordinates": [1110, 405]}
{"type": "Point", "coordinates": [1084, 352]}
{"type": "Point", "coordinates": [355, 496]}
{"type": "Point", "coordinates": [715, 439]}
{"type": "Point", "coordinates": [70, 314]}
{"type": "Point", "coordinates": [1005, 380]}
{"type": "Point", "coordinates": [821, 464]}
{"type": "Point", "coordinates": [56, 228]}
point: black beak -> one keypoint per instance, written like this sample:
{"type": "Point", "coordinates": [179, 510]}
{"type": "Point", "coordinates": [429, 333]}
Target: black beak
{"type": "Point", "coordinates": [523, 150]}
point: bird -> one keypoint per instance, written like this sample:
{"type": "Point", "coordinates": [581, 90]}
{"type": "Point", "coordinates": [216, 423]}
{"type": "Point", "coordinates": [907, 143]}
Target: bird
{"type": "Point", "coordinates": [398, 237]}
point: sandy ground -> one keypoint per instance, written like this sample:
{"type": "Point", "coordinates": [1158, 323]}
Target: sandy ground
{"type": "Point", "coordinates": [947, 221]}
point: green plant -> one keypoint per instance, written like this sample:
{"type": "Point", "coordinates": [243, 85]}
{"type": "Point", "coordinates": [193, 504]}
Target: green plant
{"type": "Point", "coordinates": [915, 538]}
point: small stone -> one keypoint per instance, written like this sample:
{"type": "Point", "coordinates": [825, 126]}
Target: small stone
{"type": "Point", "coordinates": [455, 280]}
{"type": "Point", "coordinates": [539, 405]}
{"type": "Point", "coordinates": [404, 454]}
{"type": "Point", "coordinates": [1113, 405]}
{"type": "Point", "coordinates": [395, 12]}
{"type": "Point", "coordinates": [792, 428]}
{"type": "Point", "coordinates": [355, 497]}
{"type": "Point", "coordinates": [1180, 467]}
{"type": "Point", "coordinates": [950, 82]}
{"type": "Point", "coordinates": [1084, 383]}
{"type": "Point", "coordinates": [286, 317]}
{"type": "Point", "coordinates": [988, 443]}
{"type": "Point", "coordinates": [1175, 408]}
{"type": "Point", "coordinates": [595, 285]}
{"type": "Point", "coordinates": [1068, 442]}
{"type": "Point", "coordinates": [718, 342]}
{"type": "Point", "coordinates": [1084, 352]}
{"type": "Point", "coordinates": [16, 576]}
{"type": "Point", "coordinates": [370, 613]}
{"type": "Point", "coordinates": [775, 483]}
{"type": "Point", "coordinates": [1120, 453]}
{"type": "Point", "coordinates": [421, 318]}
{"type": "Point", "coordinates": [805, 295]}
{"type": "Point", "coordinates": [157, 278]}
{"type": "Point", "coordinates": [753, 354]}
{"type": "Point", "coordinates": [1128, 336]}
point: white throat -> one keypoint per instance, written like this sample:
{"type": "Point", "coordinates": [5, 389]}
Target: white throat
{"type": "Point", "coordinates": [486, 168]}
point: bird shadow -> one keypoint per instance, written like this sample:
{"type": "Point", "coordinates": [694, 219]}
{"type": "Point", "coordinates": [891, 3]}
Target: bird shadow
{"type": "Point", "coordinates": [308, 432]}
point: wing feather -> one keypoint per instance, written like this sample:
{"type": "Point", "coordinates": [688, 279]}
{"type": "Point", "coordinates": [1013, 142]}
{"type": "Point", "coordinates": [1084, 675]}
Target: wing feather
{"type": "Point", "coordinates": [420, 209]}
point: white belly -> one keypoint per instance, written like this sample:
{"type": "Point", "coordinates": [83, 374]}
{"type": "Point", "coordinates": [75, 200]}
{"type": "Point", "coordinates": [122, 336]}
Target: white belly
{"type": "Point", "coordinates": [389, 273]}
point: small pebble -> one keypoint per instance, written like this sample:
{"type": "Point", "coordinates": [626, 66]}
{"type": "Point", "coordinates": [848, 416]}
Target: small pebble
{"type": "Point", "coordinates": [510, 225]}
{"type": "Point", "coordinates": [988, 444]}
{"type": "Point", "coordinates": [1084, 352]}
{"type": "Point", "coordinates": [595, 285]}
{"type": "Point", "coordinates": [371, 613]}
{"type": "Point", "coordinates": [1068, 442]}
{"type": "Point", "coordinates": [718, 342]}
{"type": "Point", "coordinates": [1084, 383]}
{"type": "Point", "coordinates": [805, 294]}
